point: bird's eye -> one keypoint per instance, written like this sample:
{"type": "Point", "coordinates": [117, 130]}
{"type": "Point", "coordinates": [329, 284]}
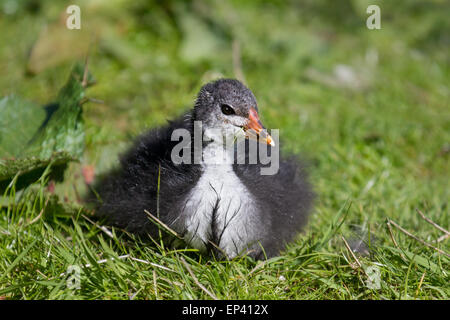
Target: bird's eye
{"type": "Point", "coordinates": [227, 109]}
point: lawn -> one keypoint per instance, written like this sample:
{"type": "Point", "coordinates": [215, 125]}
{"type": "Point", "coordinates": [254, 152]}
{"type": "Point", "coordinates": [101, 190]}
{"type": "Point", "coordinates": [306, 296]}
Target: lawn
{"type": "Point", "coordinates": [368, 110]}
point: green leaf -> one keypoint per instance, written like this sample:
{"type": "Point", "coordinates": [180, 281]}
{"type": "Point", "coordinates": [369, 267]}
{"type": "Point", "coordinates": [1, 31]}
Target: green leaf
{"type": "Point", "coordinates": [32, 137]}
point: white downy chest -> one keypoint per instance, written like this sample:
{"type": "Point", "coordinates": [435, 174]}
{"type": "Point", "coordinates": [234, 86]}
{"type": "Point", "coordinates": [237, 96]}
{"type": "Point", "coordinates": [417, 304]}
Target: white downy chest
{"type": "Point", "coordinates": [219, 195]}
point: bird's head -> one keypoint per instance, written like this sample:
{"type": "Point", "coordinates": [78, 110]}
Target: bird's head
{"type": "Point", "coordinates": [228, 105]}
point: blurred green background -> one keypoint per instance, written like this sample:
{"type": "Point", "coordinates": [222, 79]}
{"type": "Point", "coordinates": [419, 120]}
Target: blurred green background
{"type": "Point", "coordinates": [369, 109]}
{"type": "Point", "coordinates": [357, 101]}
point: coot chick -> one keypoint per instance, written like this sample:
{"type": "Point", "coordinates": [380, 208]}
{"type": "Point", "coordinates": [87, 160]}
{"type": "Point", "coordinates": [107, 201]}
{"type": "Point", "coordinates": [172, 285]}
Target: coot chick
{"type": "Point", "coordinates": [205, 188]}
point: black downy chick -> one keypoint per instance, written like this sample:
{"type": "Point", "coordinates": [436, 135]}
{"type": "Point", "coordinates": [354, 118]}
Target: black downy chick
{"type": "Point", "coordinates": [216, 203]}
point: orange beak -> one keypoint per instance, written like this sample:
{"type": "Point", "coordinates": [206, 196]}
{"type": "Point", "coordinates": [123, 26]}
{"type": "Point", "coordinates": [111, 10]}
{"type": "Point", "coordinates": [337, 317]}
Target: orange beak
{"type": "Point", "coordinates": [255, 130]}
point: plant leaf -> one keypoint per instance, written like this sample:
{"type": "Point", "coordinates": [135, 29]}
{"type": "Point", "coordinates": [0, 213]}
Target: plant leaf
{"type": "Point", "coordinates": [32, 137]}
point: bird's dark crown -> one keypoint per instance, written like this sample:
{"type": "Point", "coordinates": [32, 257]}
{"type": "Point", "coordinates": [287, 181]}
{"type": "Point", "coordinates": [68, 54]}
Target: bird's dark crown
{"type": "Point", "coordinates": [230, 92]}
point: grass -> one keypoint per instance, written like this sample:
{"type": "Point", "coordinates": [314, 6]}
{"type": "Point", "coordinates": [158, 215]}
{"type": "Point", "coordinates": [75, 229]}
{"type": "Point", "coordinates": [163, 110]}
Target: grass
{"type": "Point", "coordinates": [378, 147]}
